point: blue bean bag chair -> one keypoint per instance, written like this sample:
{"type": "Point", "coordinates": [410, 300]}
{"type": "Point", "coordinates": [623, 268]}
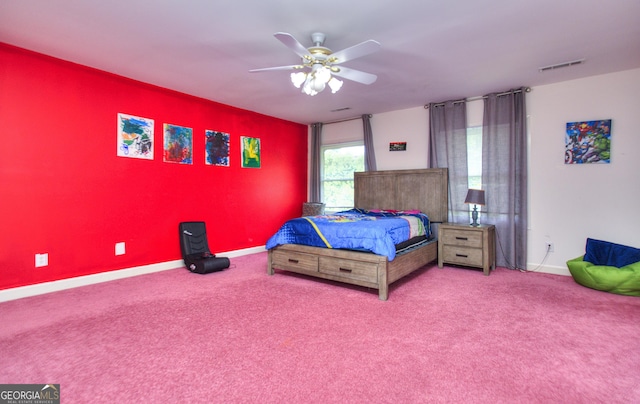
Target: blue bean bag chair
{"type": "Point", "coordinates": [609, 267]}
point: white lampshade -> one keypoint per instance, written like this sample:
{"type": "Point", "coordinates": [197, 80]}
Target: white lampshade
{"type": "Point", "coordinates": [335, 84]}
{"type": "Point", "coordinates": [322, 74]}
{"type": "Point", "coordinates": [298, 78]}
{"type": "Point", "coordinates": [318, 84]}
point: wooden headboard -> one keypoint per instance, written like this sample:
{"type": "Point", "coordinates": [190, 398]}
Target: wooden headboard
{"type": "Point", "coordinates": [423, 189]}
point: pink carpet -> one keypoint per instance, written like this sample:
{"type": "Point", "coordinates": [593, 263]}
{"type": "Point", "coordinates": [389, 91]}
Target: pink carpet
{"type": "Point", "coordinates": [445, 335]}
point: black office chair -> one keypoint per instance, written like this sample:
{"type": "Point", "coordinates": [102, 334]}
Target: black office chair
{"type": "Point", "coordinates": [195, 249]}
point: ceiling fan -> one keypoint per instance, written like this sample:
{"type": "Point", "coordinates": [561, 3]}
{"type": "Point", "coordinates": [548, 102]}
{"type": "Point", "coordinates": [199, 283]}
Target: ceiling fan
{"type": "Point", "coordinates": [320, 64]}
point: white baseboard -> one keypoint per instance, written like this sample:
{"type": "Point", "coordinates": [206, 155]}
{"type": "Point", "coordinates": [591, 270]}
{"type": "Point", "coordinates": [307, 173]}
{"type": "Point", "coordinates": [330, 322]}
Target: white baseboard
{"type": "Point", "coordinates": [549, 269]}
{"type": "Point", "coordinates": [62, 284]}
{"type": "Point", "coordinates": [54, 286]}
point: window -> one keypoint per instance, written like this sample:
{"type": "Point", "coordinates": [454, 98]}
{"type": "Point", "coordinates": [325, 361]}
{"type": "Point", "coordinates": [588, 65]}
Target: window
{"type": "Point", "coordinates": [339, 162]}
{"type": "Point", "coordinates": [474, 156]}
{"type": "Point", "coordinates": [474, 160]}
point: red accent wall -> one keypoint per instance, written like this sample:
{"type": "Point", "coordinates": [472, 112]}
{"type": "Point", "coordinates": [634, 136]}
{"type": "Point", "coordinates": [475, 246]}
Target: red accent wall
{"type": "Point", "coordinates": [65, 192]}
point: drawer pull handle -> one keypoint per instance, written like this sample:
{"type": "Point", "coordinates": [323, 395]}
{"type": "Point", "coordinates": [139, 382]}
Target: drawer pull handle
{"type": "Point", "coordinates": [462, 255]}
{"type": "Point", "coordinates": [462, 238]}
{"type": "Point", "coordinates": [294, 261]}
{"type": "Point", "coordinates": [345, 270]}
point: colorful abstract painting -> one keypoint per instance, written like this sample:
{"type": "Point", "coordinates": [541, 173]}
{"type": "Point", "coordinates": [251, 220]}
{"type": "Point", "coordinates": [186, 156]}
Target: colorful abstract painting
{"type": "Point", "coordinates": [588, 142]}
{"type": "Point", "coordinates": [178, 144]}
{"type": "Point", "coordinates": [135, 137]}
{"type": "Point", "coordinates": [250, 147]}
{"type": "Point", "coordinates": [216, 148]}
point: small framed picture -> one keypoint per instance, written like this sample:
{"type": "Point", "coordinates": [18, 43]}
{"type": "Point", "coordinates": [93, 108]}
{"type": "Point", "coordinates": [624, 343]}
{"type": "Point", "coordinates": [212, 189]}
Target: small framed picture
{"type": "Point", "coordinates": [216, 148]}
{"type": "Point", "coordinates": [135, 137]}
{"type": "Point", "coordinates": [588, 142]}
{"type": "Point", "coordinates": [397, 146]}
{"type": "Point", "coordinates": [250, 148]}
{"type": "Point", "coordinates": [178, 144]}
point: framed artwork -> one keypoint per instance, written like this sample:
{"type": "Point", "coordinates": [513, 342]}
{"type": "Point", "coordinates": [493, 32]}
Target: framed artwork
{"type": "Point", "coordinates": [135, 137]}
{"type": "Point", "coordinates": [250, 147]}
{"type": "Point", "coordinates": [398, 146]}
{"type": "Point", "coordinates": [588, 142]}
{"type": "Point", "coordinates": [216, 148]}
{"type": "Point", "coordinates": [178, 144]}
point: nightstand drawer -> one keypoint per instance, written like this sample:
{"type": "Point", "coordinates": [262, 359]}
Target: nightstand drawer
{"type": "Point", "coordinates": [462, 238]}
{"type": "Point", "coordinates": [365, 271]}
{"type": "Point", "coordinates": [294, 261]}
{"type": "Point", "coordinates": [462, 255]}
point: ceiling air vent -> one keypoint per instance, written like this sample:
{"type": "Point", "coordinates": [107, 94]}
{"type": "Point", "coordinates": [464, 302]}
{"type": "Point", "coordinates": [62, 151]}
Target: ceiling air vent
{"type": "Point", "coordinates": [340, 109]}
{"type": "Point", "coordinates": [561, 65]}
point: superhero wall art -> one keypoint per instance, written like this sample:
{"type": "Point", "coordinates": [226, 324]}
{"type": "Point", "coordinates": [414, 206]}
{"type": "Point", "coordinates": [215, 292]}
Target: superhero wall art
{"type": "Point", "coordinates": [588, 142]}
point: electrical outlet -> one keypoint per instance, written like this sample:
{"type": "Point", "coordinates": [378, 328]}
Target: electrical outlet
{"type": "Point", "coordinates": [548, 246]}
{"type": "Point", "coordinates": [120, 250]}
{"type": "Point", "coordinates": [42, 260]}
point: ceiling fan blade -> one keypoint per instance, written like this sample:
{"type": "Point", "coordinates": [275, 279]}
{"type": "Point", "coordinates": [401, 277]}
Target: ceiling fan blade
{"type": "Point", "coordinates": [266, 69]}
{"type": "Point", "coordinates": [290, 42]}
{"type": "Point", "coordinates": [355, 75]}
{"type": "Point", "coordinates": [355, 51]}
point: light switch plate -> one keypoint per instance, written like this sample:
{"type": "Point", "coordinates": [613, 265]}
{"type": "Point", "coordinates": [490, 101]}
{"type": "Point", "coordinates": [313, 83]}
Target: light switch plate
{"type": "Point", "coordinates": [42, 260]}
{"type": "Point", "coordinates": [120, 250]}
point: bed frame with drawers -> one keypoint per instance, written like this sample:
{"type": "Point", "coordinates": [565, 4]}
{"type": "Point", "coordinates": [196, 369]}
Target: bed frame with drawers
{"type": "Point", "coordinates": [422, 189]}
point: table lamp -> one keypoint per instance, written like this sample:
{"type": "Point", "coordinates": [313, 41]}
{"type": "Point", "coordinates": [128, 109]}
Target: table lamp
{"type": "Point", "coordinates": [476, 197]}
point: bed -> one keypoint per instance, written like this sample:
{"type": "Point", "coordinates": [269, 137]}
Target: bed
{"type": "Point", "coordinates": [425, 190]}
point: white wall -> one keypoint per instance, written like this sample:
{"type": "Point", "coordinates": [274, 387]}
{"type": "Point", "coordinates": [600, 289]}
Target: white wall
{"type": "Point", "coordinates": [407, 125]}
{"type": "Point", "coordinates": [342, 132]}
{"type": "Point", "coordinates": [567, 203]}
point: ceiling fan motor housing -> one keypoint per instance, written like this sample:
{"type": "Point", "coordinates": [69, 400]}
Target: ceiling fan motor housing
{"type": "Point", "coordinates": [317, 38]}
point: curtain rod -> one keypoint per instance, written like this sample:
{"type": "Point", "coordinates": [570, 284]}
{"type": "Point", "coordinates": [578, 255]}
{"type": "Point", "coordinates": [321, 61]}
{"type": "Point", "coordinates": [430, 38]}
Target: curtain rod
{"type": "Point", "coordinates": [345, 120]}
{"type": "Point", "coordinates": [482, 97]}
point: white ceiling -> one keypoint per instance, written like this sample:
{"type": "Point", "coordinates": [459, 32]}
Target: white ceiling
{"type": "Point", "coordinates": [431, 50]}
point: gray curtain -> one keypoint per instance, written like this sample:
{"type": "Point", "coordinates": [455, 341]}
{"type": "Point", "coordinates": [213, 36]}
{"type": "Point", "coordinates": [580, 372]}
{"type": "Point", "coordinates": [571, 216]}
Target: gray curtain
{"type": "Point", "coordinates": [314, 180]}
{"type": "Point", "coordinates": [448, 148]}
{"type": "Point", "coordinates": [504, 174]}
{"type": "Point", "coordinates": [369, 153]}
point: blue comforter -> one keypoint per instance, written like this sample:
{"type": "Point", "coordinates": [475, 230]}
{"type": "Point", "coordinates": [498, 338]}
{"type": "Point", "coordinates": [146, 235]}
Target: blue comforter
{"type": "Point", "coordinates": [356, 229]}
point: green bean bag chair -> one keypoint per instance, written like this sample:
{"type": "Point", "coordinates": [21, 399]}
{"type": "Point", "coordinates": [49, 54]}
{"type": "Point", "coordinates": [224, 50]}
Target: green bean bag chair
{"type": "Point", "coordinates": [608, 267]}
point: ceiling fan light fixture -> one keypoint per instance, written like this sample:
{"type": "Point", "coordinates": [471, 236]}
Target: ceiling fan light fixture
{"type": "Point", "coordinates": [309, 87]}
{"type": "Point", "coordinates": [298, 78]}
{"type": "Point", "coordinates": [308, 90]}
{"type": "Point", "coordinates": [335, 85]}
{"type": "Point", "coordinates": [316, 81]}
{"type": "Point", "coordinates": [317, 85]}
{"type": "Point", "coordinates": [322, 74]}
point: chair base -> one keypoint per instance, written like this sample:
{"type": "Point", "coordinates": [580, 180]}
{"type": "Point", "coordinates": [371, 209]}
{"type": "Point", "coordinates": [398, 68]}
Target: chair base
{"type": "Point", "coordinates": [207, 265]}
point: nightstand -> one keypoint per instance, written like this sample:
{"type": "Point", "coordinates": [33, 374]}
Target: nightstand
{"type": "Point", "coordinates": [467, 245]}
